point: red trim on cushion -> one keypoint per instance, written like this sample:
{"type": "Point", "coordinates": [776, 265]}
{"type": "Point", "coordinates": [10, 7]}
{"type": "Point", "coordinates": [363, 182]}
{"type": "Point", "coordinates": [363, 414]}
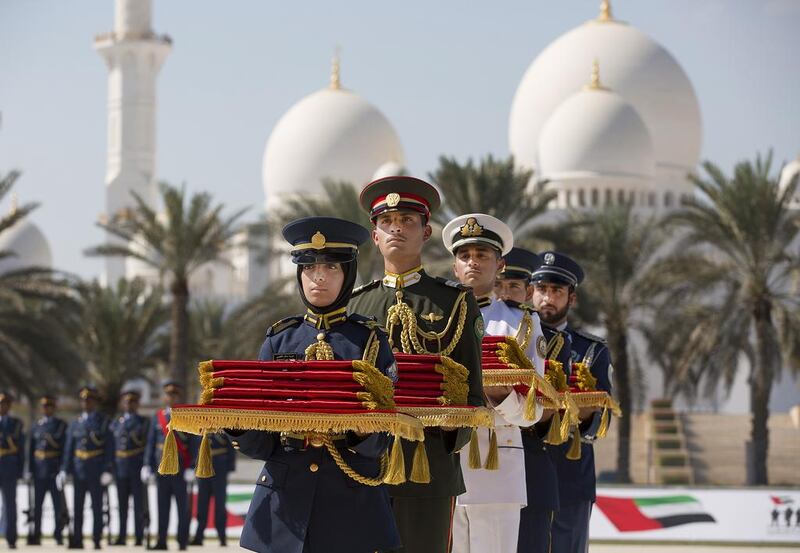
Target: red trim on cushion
{"type": "Point", "coordinates": [286, 375]}
{"type": "Point", "coordinates": [266, 393]}
{"type": "Point", "coordinates": [291, 384]}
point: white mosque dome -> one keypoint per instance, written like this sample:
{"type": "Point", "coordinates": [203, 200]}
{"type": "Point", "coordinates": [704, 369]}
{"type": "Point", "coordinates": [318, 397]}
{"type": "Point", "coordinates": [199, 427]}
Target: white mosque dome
{"type": "Point", "coordinates": [330, 134]}
{"type": "Point", "coordinates": [634, 66]}
{"type": "Point", "coordinates": [790, 171]}
{"type": "Point", "coordinates": [28, 243]}
{"type": "Point", "coordinates": [389, 169]}
{"type": "Point", "coordinates": [616, 144]}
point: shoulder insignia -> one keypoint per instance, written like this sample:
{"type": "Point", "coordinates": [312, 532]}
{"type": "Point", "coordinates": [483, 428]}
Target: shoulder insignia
{"type": "Point", "coordinates": [365, 287]}
{"type": "Point", "coordinates": [517, 305]}
{"type": "Point", "coordinates": [541, 346]}
{"type": "Point", "coordinates": [451, 283]}
{"type": "Point", "coordinates": [589, 336]}
{"type": "Point", "coordinates": [480, 329]}
{"type": "Point", "coordinates": [283, 324]}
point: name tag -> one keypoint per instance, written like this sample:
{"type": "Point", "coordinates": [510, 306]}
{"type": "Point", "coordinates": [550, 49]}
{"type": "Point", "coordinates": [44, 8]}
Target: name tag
{"type": "Point", "coordinates": [286, 357]}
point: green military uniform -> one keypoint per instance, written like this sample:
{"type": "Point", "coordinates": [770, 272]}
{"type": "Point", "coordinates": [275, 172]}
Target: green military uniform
{"type": "Point", "coordinates": [425, 314]}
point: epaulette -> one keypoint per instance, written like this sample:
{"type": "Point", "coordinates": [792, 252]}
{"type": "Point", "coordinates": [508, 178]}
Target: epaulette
{"type": "Point", "coordinates": [517, 305]}
{"type": "Point", "coordinates": [370, 322]}
{"type": "Point", "coordinates": [283, 324]}
{"type": "Point", "coordinates": [365, 287]}
{"type": "Point", "coordinates": [452, 283]}
{"type": "Point", "coordinates": [589, 336]}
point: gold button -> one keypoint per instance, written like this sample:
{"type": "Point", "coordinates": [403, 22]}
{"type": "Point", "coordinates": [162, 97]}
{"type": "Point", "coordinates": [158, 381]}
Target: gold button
{"type": "Point", "coordinates": [235, 443]}
{"type": "Point", "coordinates": [321, 336]}
{"type": "Point", "coordinates": [313, 467]}
{"type": "Point", "coordinates": [263, 478]}
{"type": "Point", "coordinates": [509, 442]}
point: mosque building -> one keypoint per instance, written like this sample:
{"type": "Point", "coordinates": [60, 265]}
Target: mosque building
{"type": "Point", "coordinates": [604, 115]}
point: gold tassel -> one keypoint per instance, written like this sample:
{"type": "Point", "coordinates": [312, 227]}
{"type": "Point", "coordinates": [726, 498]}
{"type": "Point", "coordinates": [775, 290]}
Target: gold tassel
{"type": "Point", "coordinates": [474, 450]}
{"type": "Point", "coordinates": [205, 466]}
{"type": "Point", "coordinates": [396, 473]}
{"type": "Point", "coordinates": [554, 432]}
{"type": "Point", "coordinates": [602, 430]}
{"type": "Point", "coordinates": [169, 455]}
{"type": "Point", "coordinates": [420, 470]}
{"type": "Point", "coordinates": [574, 452]}
{"type": "Point", "coordinates": [564, 429]}
{"type": "Point", "coordinates": [530, 404]}
{"type": "Point", "coordinates": [493, 458]}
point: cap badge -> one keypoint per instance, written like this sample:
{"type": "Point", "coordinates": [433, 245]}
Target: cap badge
{"type": "Point", "coordinates": [549, 259]}
{"type": "Point", "coordinates": [318, 240]}
{"type": "Point", "coordinates": [471, 228]}
{"type": "Point", "coordinates": [85, 394]}
{"type": "Point", "coordinates": [392, 199]}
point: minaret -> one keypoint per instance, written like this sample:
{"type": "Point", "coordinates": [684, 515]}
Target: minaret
{"type": "Point", "coordinates": [133, 54]}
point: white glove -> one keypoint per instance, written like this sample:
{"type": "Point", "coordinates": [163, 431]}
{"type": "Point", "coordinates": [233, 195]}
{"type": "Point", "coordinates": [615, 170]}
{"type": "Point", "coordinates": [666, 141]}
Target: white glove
{"type": "Point", "coordinates": [188, 475]}
{"type": "Point", "coordinates": [146, 473]}
{"type": "Point", "coordinates": [106, 479]}
{"type": "Point", "coordinates": [61, 479]}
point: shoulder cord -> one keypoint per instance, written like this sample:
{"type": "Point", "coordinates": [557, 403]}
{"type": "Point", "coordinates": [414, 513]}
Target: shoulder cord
{"type": "Point", "coordinates": [371, 349]}
{"type": "Point", "coordinates": [348, 470]}
{"type": "Point", "coordinates": [527, 323]}
{"type": "Point", "coordinates": [319, 350]}
{"type": "Point", "coordinates": [400, 313]}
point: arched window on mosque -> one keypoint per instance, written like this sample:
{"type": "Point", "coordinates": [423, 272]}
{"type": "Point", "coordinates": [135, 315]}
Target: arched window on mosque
{"type": "Point", "coordinates": [609, 199]}
{"type": "Point", "coordinates": [668, 199]}
{"type": "Point", "coordinates": [620, 197]}
{"type": "Point", "coordinates": [651, 199]}
{"type": "Point", "coordinates": [595, 197]}
{"type": "Point", "coordinates": [582, 198]}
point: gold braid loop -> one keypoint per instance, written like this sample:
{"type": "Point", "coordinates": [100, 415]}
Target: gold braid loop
{"type": "Point", "coordinates": [527, 323]}
{"type": "Point", "coordinates": [401, 313]}
{"type": "Point", "coordinates": [348, 470]}
{"type": "Point", "coordinates": [319, 351]}
{"type": "Point", "coordinates": [371, 349]}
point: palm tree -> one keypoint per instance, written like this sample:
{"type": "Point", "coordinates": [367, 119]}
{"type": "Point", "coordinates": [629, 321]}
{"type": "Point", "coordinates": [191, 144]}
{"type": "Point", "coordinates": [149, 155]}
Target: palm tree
{"type": "Point", "coordinates": [118, 333]}
{"type": "Point", "coordinates": [616, 249]}
{"type": "Point", "coordinates": [36, 352]}
{"type": "Point", "coordinates": [190, 233]}
{"type": "Point", "coordinates": [246, 327]}
{"type": "Point", "coordinates": [338, 199]}
{"type": "Point", "coordinates": [733, 268]}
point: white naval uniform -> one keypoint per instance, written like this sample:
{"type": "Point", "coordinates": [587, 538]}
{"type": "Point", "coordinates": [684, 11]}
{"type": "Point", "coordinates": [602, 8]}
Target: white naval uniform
{"type": "Point", "coordinates": [486, 518]}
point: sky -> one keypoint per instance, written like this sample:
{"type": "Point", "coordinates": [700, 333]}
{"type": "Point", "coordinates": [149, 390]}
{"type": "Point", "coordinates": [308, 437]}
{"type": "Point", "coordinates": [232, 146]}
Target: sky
{"type": "Point", "coordinates": [443, 72]}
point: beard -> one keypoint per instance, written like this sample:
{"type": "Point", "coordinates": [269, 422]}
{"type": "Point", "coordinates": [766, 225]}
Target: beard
{"type": "Point", "coordinates": [554, 318]}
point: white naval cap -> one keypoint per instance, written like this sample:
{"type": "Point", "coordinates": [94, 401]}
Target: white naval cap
{"type": "Point", "coordinates": [477, 228]}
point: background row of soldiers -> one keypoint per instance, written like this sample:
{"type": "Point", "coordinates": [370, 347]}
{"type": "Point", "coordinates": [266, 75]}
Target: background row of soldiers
{"type": "Point", "coordinates": [94, 451]}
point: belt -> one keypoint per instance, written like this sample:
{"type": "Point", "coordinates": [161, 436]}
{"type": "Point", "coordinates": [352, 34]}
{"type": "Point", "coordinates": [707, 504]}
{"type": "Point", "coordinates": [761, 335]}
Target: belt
{"type": "Point", "coordinates": [84, 454]}
{"type": "Point", "coordinates": [313, 439]}
{"type": "Point", "coordinates": [126, 453]}
{"type": "Point", "coordinates": [41, 454]}
{"type": "Point", "coordinates": [218, 451]}
{"type": "Point", "coordinates": [8, 451]}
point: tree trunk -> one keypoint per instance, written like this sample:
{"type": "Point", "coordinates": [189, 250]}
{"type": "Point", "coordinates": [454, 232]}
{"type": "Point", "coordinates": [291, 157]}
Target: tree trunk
{"type": "Point", "coordinates": [760, 389]}
{"type": "Point", "coordinates": [179, 337]}
{"type": "Point", "coordinates": [618, 343]}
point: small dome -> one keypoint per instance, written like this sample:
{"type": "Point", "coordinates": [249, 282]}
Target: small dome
{"type": "Point", "coordinates": [634, 65]}
{"type": "Point", "coordinates": [330, 134]}
{"type": "Point", "coordinates": [595, 133]}
{"type": "Point", "coordinates": [28, 243]}
{"type": "Point", "coordinates": [790, 171]}
{"type": "Point", "coordinates": [389, 169]}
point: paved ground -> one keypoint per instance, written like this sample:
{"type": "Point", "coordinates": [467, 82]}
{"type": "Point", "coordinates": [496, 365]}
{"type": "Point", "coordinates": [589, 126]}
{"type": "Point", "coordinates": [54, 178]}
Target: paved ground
{"type": "Point", "coordinates": [212, 546]}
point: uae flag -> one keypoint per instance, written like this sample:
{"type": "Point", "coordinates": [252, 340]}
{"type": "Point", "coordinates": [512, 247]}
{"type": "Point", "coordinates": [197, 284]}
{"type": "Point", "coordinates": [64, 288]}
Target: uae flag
{"type": "Point", "coordinates": [636, 514]}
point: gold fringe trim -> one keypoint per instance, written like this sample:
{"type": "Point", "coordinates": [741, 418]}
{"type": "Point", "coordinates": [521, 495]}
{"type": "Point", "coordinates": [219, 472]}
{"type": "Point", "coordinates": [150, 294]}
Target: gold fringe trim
{"type": "Point", "coordinates": [530, 405]}
{"type": "Point", "coordinates": [554, 431]}
{"type": "Point", "coordinates": [602, 430]}
{"type": "Point", "coordinates": [396, 473]}
{"type": "Point", "coordinates": [583, 377]}
{"type": "Point", "coordinates": [474, 450]}
{"type": "Point", "coordinates": [169, 455]}
{"type": "Point", "coordinates": [376, 383]}
{"type": "Point", "coordinates": [210, 382]}
{"type": "Point", "coordinates": [198, 419]}
{"type": "Point", "coordinates": [420, 470]}
{"type": "Point", "coordinates": [205, 367]}
{"type": "Point", "coordinates": [506, 377]}
{"type": "Point", "coordinates": [453, 417]}
{"type": "Point", "coordinates": [205, 465]}
{"type": "Point", "coordinates": [206, 396]}
{"type": "Point", "coordinates": [493, 458]}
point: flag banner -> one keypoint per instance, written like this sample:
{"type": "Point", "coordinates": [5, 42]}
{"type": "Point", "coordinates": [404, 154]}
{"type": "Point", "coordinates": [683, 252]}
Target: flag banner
{"type": "Point", "coordinates": [702, 515]}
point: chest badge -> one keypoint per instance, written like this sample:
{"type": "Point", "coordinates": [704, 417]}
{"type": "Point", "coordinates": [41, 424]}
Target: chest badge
{"type": "Point", "coordinates": [432, 317]}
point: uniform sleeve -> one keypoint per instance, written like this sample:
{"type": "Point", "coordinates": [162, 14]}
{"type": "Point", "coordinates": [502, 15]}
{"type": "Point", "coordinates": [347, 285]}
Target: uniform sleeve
{"type": "Point", "coordinates": [512, 409]}
{"type": "Point", "coordinates": [109, 449]}
{"type": "Point", "coordinates": [31, 455]}
{"type": "Point", "coordinates": [256, 444]}
{"type": "Point", "coordinates": [385, 362]}
{"type": "Point", "coordinates": [66, 463]}
{"type": "Point", "coordinates": [537, 335]}
{"type": "Point", "coordinates": [599, 370]}
{"type": "Point", "coordinates": [21, 447]}
{"type": "Point", "coordinates": [266, 352]}
{"type": "Point", "coordinates": [231, 457]}
{"type": "Point", "coordinates": [468, 353]}
{"type": "Point", "coordinates": [150, 448]}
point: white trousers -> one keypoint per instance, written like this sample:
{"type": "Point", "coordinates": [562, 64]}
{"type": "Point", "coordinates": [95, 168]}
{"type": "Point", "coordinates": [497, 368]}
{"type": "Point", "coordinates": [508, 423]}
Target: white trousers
{"type": "Point", "coordinates": [486, 528]}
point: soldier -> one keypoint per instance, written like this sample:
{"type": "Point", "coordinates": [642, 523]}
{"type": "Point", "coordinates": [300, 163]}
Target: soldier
{"type": "Point", "coordinates": [130, 438]}
{"type": "Point", "coordinates": [48, 437]}
{"type": "Point", "coordinates": [12, 463]}
{"type": "Point", "coordinates": [423, 314]}
{"type": "Point", "coordinates": [169, 485]}
{"type": "Point", "coordinates": [88, 458]}
{"type": "Point", "coordinates": [224, 460]}
{"type": "Point", "coordinates": [487, 515]}
{"type": "Point", "coordinates": [304, 502]}
{"type": "Point", "coordinates": [555, 283]}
